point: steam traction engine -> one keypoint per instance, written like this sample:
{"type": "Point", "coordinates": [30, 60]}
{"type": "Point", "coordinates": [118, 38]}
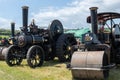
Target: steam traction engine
{"type": "Point", "coordinates": [36, 44]}
{"type": "Point", "coordinates": [101, 49]}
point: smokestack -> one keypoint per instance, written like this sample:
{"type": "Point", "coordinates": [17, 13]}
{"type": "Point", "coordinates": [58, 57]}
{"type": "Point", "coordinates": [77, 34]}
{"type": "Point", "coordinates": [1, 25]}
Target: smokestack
{"type": "Point", "coordinates": [94, 25]}
{"type": "Point", "coordinates": [12, 29]}
{"type": "Point", "coordinates": [25, 18]}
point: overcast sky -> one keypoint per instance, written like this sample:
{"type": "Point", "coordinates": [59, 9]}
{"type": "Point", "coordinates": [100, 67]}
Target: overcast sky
{"type": "Point", "coordinates": [72, 13]}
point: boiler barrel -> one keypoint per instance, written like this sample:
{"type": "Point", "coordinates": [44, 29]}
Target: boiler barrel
{"type": "Point", "coordinates": [88, 65]}
{"type": "Point", "coordinates": [24, 40]}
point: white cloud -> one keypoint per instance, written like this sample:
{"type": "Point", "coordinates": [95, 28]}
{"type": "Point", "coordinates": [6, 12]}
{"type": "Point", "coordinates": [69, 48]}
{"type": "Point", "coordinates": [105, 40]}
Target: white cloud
{"type": "Point", "coordinates": [111, 2]}
{"type": "Point", "coordinates": [5, 23]}
{"type": "Point", "coordinates": [75, 13]}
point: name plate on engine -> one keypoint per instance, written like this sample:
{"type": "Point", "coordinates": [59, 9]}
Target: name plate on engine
{"type": "Point", "coordinates": [88, 37]}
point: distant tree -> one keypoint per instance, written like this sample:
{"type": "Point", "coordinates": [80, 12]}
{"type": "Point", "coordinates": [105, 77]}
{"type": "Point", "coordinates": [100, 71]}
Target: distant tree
{"type": "Point", "coordinates": [0, 37]}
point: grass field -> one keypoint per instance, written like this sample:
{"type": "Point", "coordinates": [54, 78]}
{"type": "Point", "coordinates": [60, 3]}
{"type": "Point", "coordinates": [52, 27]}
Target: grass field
{"type": "Point", "coordinates": [52, 70]}
{"type": "Point", "coordinates": [4, 36]}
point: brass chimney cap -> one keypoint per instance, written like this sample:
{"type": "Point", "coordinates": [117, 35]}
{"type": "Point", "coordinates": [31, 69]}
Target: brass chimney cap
{"type": "Point", "coordinates": [93, 8]}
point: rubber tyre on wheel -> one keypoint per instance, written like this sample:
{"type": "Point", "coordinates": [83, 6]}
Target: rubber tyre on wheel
{"type": "Point", "coordinates": [35, 56]}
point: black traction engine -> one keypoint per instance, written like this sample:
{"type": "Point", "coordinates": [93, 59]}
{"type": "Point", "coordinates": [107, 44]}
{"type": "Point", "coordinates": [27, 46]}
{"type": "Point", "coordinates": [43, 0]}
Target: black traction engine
{"type": "Point", "coordinates": [39, 44]}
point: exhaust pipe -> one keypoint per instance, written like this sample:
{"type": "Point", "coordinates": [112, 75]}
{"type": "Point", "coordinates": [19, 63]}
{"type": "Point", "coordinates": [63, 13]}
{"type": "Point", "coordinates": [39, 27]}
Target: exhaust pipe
{"type": "Point", "coordinates": [25, 18]}
{"type": "Point", "coordinates": [12, 29]}
{"type": "Point", "coordinates": [94, 20]}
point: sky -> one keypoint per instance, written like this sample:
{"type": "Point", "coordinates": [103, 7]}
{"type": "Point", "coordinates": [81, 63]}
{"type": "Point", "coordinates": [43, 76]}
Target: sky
{"type": "Point", "coordinates": [72, 13]}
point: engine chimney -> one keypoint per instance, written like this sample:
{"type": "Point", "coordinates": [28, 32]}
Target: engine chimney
{"type": "Point", "coordinates": [12, 29]}
{"type": "Point", "coordinates": [94, 25]}
{"type": "Point", "coordinates": [25, 18]}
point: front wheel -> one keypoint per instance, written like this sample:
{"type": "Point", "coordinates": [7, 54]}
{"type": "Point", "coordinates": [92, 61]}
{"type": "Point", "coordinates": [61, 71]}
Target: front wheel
{"type": "Point", "coordinates": [12, 56]}
{"type": "Point", "coordinates": [35, 56]}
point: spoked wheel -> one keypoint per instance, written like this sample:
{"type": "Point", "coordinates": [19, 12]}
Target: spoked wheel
{"type": "Point", "coordinates": [64, 47]}
{"type": "Point", "coordinates": [12, 56]}
{"type": "Point", "coordinates": [35, 56]}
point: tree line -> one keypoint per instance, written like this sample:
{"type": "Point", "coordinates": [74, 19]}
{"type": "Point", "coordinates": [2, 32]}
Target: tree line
{"type": "Point", "coordinates": [5, 32]}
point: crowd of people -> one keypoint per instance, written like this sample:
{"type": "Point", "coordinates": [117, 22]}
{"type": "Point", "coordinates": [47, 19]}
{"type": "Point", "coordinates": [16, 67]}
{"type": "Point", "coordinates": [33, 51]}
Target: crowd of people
{"type": "Point", "coordinates": [4, 42]}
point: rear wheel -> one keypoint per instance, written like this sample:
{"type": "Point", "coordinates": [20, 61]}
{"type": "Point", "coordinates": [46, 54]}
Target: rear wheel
{"type": "Point", "coordinates": [64, 47]}
{"type": "Point", "coordinates": [12, 56]}
{"type": "Point", "coordinates": [35, 56]}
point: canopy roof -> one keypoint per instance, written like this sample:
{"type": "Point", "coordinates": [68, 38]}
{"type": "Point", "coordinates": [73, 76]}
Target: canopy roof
{"type": "Point", "coordinates": [78, 32]}
{"type": "Point", "coordinates": [103, 17]}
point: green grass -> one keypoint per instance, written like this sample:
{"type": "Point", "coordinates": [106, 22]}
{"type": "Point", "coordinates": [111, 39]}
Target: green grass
{"type": "Point", "coordinates": [114, 74]}
{"type": "Point", "coordinates": [4, 36]}
{"type": "Point", "coordinates": [51, 70]}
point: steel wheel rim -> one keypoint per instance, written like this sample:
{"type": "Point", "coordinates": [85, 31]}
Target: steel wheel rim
{"type": "Point", "coordinates": [35, 57]}
{"type": "Point", "coordinates": [12, 58]}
